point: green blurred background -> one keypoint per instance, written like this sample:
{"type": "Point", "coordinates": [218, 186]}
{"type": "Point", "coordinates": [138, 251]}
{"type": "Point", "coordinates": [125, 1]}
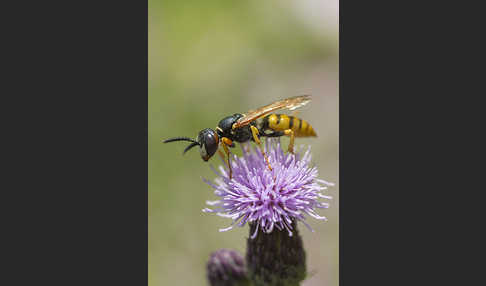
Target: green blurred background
{"type": "Point", "coordinates": [210, 59]}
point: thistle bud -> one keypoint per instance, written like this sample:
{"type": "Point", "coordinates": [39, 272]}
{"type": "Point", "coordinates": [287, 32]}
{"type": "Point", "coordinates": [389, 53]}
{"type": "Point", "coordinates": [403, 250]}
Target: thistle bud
{"type": "Point", "coordinates": [226, 268]}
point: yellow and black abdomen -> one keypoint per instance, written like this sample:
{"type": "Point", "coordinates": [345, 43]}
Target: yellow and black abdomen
{"type": "Point", "coordinates": [281, 122]}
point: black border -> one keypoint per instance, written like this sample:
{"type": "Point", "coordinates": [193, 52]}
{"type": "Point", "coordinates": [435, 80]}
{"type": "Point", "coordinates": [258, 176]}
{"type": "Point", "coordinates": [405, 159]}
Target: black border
{"type": "Point", "coordinates": [405, 143]}
{"type": "Point", "coordinates": [79, 152]}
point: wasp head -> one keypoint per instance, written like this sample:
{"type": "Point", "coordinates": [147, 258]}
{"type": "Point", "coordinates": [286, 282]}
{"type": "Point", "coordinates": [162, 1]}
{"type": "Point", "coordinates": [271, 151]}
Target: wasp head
{"type": "Point", "coordinates": [207, 139]}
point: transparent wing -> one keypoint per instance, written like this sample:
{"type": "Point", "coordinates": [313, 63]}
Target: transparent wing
{"type": "Point", "coordinates": [290, 103]}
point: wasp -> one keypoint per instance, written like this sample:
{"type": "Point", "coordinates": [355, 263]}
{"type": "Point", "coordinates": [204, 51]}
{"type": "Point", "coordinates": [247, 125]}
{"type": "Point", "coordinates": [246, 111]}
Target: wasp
{"type": "Point", "coordinates": [250, 126]}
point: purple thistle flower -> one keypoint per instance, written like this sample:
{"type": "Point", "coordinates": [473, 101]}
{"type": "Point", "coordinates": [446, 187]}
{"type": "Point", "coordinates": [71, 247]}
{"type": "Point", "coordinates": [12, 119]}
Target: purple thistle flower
{"type": "Point", "coordinates": [254, 196]}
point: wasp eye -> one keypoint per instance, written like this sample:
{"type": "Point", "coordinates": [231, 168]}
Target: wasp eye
{"type": "Point", "coordinates": [208, 140]}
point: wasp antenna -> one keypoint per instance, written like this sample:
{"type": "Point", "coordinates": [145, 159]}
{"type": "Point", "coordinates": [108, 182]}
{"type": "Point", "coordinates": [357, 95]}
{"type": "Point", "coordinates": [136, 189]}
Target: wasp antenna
{"type": "Point", "coordinates": [179, 139]}
{"type": "Point", "coordinates": [189, 147]}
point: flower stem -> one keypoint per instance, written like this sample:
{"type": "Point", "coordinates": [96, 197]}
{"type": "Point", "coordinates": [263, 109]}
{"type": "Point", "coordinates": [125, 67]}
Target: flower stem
{"type": "Point", "coordinates": [276, 258]}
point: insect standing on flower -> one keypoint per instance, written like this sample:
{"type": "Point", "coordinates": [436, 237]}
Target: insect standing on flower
{"type": "Point", "coordinates": [250, 126]}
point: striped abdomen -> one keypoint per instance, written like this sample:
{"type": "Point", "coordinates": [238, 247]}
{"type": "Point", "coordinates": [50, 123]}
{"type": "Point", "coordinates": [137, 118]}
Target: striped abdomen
{"type": "Point", "coordinates": [281, 122]}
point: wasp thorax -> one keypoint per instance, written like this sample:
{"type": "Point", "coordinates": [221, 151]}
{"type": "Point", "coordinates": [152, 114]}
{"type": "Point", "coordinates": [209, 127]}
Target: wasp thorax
{"type": "Point", "coordinates": [226, 124]}
{"type": "Point", "coordinates": [208, 142]}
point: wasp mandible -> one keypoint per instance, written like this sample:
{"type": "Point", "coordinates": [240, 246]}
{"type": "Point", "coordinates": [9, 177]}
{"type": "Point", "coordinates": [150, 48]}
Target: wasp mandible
{"type": "Point", "coordinates": [250, 126]}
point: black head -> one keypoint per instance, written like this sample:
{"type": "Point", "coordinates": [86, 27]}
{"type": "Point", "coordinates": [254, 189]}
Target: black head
{"type": "Point", "coordinates": [207, 139]}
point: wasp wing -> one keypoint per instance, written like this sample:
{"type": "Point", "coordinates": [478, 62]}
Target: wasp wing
{"type": "Point", "coordinates": [290, 103]}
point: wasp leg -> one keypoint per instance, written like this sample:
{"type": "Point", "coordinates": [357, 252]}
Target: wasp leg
{"type": "Point", "coordinates": [255, 132]}
{"type": "Point", "coordinates": [290, 132]}
{"type": "Point", "coordinates": [227, 142]}
{"type": "Point", "coordinates": [221, 154]}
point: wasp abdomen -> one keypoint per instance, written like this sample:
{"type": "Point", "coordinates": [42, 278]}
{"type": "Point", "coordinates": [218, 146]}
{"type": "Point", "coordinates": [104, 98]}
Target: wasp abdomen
{"type": "Point", "coordinates": [281, 122]}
